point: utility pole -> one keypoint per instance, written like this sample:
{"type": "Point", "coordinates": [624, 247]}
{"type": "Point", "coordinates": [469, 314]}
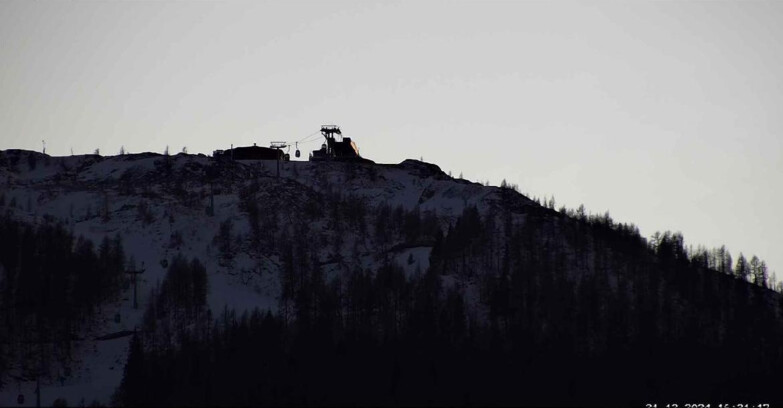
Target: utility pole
{"type": "Point", "coordinates": [134, 274]}
{"type": "Point", "coordinates": [279, 146]}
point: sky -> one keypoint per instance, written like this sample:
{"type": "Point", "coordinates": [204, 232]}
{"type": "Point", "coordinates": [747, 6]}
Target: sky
{"type": "Point", "coordinates": [666, 114]}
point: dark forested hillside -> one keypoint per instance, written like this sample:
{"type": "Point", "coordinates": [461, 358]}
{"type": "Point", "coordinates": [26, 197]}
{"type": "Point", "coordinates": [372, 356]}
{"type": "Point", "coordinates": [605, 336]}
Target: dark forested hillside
{"type": "Point", "coordinates": [573, 312]}
{"type": "Point", "coordinates": [358, 284]}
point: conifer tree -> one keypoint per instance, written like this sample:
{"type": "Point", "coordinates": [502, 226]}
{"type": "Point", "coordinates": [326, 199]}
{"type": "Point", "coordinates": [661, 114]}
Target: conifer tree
{"type": "Point", "coordinates": [728, 262]}
{"type": "Point", "coordinates": [762, 274]}
{"type": "Point", "coordinates": [754, 269]}
{"type": "Point", "coordinates": [742, 270]}
{"type": "Point", "coordinates": [131, 390]}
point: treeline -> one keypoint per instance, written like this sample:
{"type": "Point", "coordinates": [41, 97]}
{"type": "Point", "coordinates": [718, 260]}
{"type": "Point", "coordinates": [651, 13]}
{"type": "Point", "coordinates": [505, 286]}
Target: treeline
{"type": "Point", "coordinates": [719, 259]}
{"type": "Point", "coordinates": [51, 286]}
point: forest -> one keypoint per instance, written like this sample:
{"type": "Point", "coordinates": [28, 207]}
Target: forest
{"type": "Point", "coordinates": [52, 287]}
{"type": "Point", "coordinates": [574, 309]}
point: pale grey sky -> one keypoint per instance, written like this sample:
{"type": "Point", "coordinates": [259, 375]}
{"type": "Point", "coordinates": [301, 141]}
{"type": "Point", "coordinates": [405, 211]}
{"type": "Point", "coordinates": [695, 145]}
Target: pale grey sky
{"type": "Point", "coordinates": [668, 114]}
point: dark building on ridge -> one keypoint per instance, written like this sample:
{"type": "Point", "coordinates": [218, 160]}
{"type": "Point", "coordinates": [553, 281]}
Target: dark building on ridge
{"type": "Point", "coordinates": [250, 153]}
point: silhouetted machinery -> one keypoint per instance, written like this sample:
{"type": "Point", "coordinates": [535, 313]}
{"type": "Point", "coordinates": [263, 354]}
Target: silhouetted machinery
{"type": "Point", "coordinates": [334, 149]}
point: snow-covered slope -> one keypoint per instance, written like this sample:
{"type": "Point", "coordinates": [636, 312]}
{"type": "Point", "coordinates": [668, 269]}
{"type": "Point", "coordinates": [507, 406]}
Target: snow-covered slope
{"type": "Point", "coordinates": [161, 206]}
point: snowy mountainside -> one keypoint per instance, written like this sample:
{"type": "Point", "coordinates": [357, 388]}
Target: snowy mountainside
{"type": "Point", "coordinates": [477, 288]}
{"type": "Point", "coordinates": [233, 216]}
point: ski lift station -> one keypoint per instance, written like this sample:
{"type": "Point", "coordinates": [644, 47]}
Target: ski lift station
{"type": "Point", "coordinates": [334, 148]}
